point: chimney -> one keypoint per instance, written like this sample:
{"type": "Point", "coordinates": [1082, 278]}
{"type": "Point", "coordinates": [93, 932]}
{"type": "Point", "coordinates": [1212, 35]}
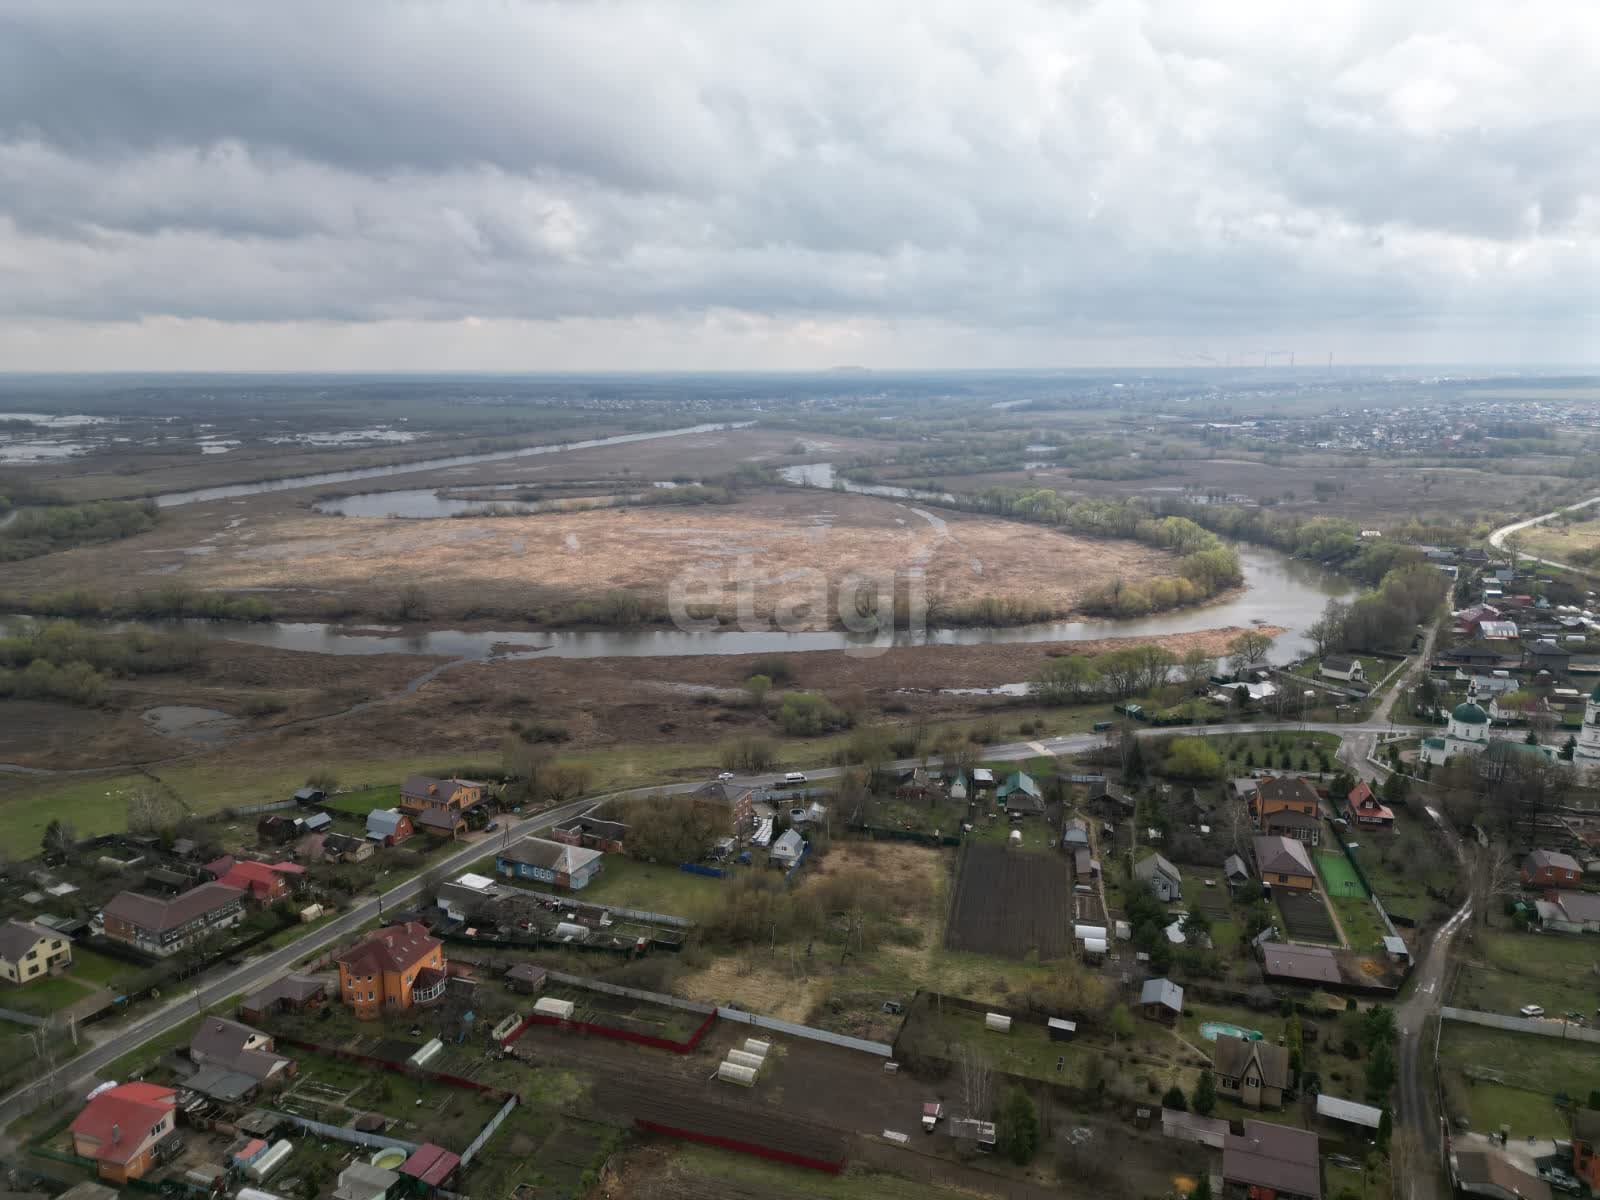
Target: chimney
{"type": "Point", "coordinates": [116, 1133]}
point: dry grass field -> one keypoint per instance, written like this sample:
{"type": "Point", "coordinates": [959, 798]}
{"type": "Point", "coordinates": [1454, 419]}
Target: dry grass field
{"type": "Point", "coordinates": [787, 548]}
{"type": "Point", "coordinates": [1559, 540]}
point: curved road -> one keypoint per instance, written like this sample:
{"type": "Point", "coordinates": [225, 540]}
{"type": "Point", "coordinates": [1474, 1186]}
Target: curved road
{"type": "Point", "coordinates": [1497, 539]}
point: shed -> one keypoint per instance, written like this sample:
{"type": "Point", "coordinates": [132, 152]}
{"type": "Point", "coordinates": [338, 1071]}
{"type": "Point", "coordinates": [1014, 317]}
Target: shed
{"type": "Point", "coordinates": [550, 1006]}
{"type": "Point", "coordinates": [1161, 999]}
{"type": "Point", "coordinates": [363, 1181]}
{"type": "Point", "coordinates": [430, 1165]}
{"type": "Point", "coordinates": [526, 978]}
{"type": "Point", "coordinates": [1061, 1030]}
{"type": "Point", "coordinates": [1348, 1111]}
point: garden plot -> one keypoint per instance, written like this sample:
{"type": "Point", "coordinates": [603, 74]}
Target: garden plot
{"type": "Point", "coordinates": [1305, 917]}
{"type": "Point", "coordinates": [1010, 902]}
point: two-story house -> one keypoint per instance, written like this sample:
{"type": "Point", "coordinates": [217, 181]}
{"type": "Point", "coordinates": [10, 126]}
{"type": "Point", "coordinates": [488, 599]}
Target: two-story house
{"type": "Point", "coordinates": [127, 1130]}
{"type": "Point", "coordinates": [1365, 810]}
{"type": "Point", "coordinates": [1287, 807]}
{"type": "Point", "coordinates": [165, 926]}
{"type": "Point", "coordinates": [737, 800]}
{"type": "Point", "coordinates": [29, 951]}
{"type": "Point", "coordinates": [1256, 1074]}
{"type": "Point", "coordinates": [264, 883]}
{"type": "Point", "coordinates": [233, 1046]}
{"type": "Point", "coordinates": [394, 969]}
{"type": "Point", "coordinates": [439, 807]}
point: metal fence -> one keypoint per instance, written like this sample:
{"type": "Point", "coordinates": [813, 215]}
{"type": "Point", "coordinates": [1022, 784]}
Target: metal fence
{"type": "Point", "coordinates": [633, 914]}
{"type": "Point", "coordinates": [612, 989]}
{"type": "Point", "coordinates": [22, 1018]}
{"type": "Point", "coordinates": [1550, 1029]}
{"type": "Point", "coordinates": [252, 810]}
{"type": "Point", "coordinates": [487, 1131]}
{"type": "Point", "coordinates": [805, 1031]}
{"type": "Point", "coordinates": [343, 1133]}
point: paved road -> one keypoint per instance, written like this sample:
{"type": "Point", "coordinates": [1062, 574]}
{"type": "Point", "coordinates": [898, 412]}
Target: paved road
{"type": "Point", "coordinates": [1497, 539]}
{"type": "Point", "coordinates": [258, 971]}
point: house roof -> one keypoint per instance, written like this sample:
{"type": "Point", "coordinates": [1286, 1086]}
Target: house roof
{"type": "Point", "coordinates": [19, 937]}
{"type": "Point", "coordinates": [594, 827]}
{"type": "Point", "coordinates": [1313, 964]}
{"type": "Point", "coordinates": [148, 912]}
{"type": "Point", "coordinates": [1286, 818]}
{"type": "Point", "coordinates": [1163, 992]}
{"type": "Point", "coordinates": [393, 948]}
{"type": "Point", "coordinates": [1497, 629]}
{"type": "Point", "coordinates": [316, 821]}
{"type": "Point", "coordinates": [550, 856]}
{"type": "Point", "coordinates": [1146, 868]}
{"type": "Point", "coordinates": [360, 1180]}
{"type": "Point", "coordinates": [1285, 789]}
{"type": "Point", "coordinates": [221, 1083]}
{"type": "Point", "coordinates": [258, 878]}
{"type": "Point", "coordinates": [295, 988]}
{"type": "Point", "coordinates": [385, 822]}
{"type": "Point", "coordinates": [788, 844]}
{"type": "Point", "coordinates": [1277, 855]}
{"type": "Point", "coordinates": [1275, 1157]}
{"type": "Point", "coordinates": [1553, 859]}
{"type": "Point", "coordinates": [1576, 906]}
{"type": "Point", "coordinates": [130, 1110]}
{"type": "Point", "coordinates": [224, 1041]}
{"type": "Point", "coordinates": [1490, 1169]}
{"type": "Point", "coordinates": [438, 818]}
{"type": "Point", "coordinates": [1348, 1110]}
{"type": "Point", "coordinates": [1231, 1055]}
{"type": "Point", "coordinates": [1019, 781]}
{"type": "Point", "coordinates": [430, 790]}
{"type": "Point", "coordinates": [431, 1164]}
{"type": "Point", "coordinates": [1235, 866]}
{"type": "Point", "coordinates": [1339, 662]}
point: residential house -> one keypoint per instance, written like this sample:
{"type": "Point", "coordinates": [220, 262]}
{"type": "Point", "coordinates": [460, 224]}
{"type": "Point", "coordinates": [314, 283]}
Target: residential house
{"type": "Point", "coordinates": [389, 826]}
{"type": "Point", "coordinates": [527, 978]}
{"type": "Point", "coordinates": [913, 784]}
{"type": "Point", "coordinates": [363, 1181]}
{"type": "Point", "coordinates": [230, 1048]}
{"type": "Point", "coordinates": [439, 807]}
{"type": "Point", "coordinates": [166, 926]}
{"type": "Point", "coordinates": [1271, 1162]}
{"type": "Point", "coordinates": [468, 895]}
{"type": "Point", "coordinates": [549, 862]}
{"type": "Point", "coordinates": [1284, 862]}
{"type": "Point", "coordinates": [1546, 655]}
{"type": "Point", "coordinates": [1483, 688]}
{"type": "Point", "coordinates": [1344, 667]}
{"type": "Point", "coordinates": [1161, 1000]}
{"type": "Point", "coordinates": [1586, 1147]}
{"type": "Point", "coordinates": [1365, 810]}
{"type": "Point", "coordinates": [394, 969]}
{"type": "Point", "coordinates": [1160, 876]}
{"type": "Point", "coordinates": [1551, 869]}
{"type": "Point", "coordinates": [982, 779]}
{"type": "Point", "coordinates": [1492, 1174]}
{"type": "Point", "coordinates": [274, 830]}
{"type": "Point", "coordinates": [737, 799]}
{"type": "Point", "coordinates": [787, 849]}
{"type": "Point", "coordinates": [1075, 833]}
{"type": "Point", "coordinates": [958, 787]}
{"type": "Point", "coordinates": [1288, 807]}
{"type": "Point", "coordinates": [1256, 1074]}
{"type": "Point", "coordinates": [291, 993]}
{"type": "Point", "coordinates": [261, 882]}
{"type": "Point", "coordinates": [1019, 795]}
{"type": "Point", "coordinates": [29, 951]}
{"type": "Point", "coordinates": [592, 833]}
{"type": "Point", "coordinates": [1085, 867]}
{"type": "Point", "coordinates": [310, 795]}
{"type": "Point", "coordinates": [127, 1130]}
{"type": "Point", "coordinates": [344, 848]}
{"type": "Point", "coordinates": [1570, 912]}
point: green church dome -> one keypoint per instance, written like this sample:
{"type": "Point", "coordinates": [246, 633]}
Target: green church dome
{"type": "Point", "coordinates": [1470, 714]}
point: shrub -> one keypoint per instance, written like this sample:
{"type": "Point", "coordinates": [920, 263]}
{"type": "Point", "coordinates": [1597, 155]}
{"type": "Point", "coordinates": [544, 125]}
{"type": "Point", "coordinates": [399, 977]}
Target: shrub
{"type": "Point", "coordinates": [806, 714]}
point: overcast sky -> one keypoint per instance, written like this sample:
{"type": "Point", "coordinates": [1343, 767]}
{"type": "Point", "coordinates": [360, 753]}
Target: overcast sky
{"type": "Point", "coordinates": [458, 185]}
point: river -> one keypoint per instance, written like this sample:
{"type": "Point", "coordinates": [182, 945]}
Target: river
{"type": "Point", "coordinates": [1278, 591]}
{"type": "Point", "coordinates": [229, 491]}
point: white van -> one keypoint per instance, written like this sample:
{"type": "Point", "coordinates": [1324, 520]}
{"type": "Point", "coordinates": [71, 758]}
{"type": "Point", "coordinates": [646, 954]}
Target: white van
{"type": "Point", "coordinates": [794, 777]}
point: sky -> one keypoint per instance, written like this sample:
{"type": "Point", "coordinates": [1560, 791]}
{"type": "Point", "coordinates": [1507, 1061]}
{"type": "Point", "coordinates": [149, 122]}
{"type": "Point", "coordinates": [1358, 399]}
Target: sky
{"type": "Point", "coordinates": [604, 184]}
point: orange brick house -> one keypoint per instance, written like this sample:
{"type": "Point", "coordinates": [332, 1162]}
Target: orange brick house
{"type": "Point", "coordinates": [439, 806]}
{"type": "Point", "coordinates": [1287, 807]}
{"type": "Point", "coordinates": [127, 1130]}
{"type": "Point", "coordinates": [397, 968]}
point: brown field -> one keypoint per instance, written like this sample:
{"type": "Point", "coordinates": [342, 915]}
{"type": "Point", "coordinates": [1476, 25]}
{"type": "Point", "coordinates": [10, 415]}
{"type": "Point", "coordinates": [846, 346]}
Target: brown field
{"type": "Point", "coordinates": [790, 548]}
{"type": "Point", "coordinates": [1008, 902]}
{"type": "Point", "coordinates": [1557, 540]}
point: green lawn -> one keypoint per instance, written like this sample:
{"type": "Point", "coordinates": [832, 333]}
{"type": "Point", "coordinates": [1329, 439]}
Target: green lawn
{"type": "Point", "coordinates": [1339, 878]}
{"type": "Point", "coordinates": [360, 803]}
{"type": "Point", "coordinates": [1514, 1077]}
{"type": "Point", "coordinates": [1037, 834]}
{"type": "Point", "coordinates": [1339, 1180]}
{"type": "Point", "coordinates": [654, 887]}
{"type": "Point", "coordinates": [724, 1172]}
{"type": "Point", "coordinates": [1361, 925]}
{"type": "Point", "coordinates": [41, 997]}
{"type": "Point", "coordinates": [1505, 969]}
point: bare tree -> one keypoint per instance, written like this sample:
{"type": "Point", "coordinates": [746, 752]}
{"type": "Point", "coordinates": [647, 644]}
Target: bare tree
{"type": "Point", "coordinates": [1248, 649]}
{"type": "Point", "coordinates": [151, 809]}
{"type": "Point", "coordinates": [976, 1073]}
{"type": "Point", "coordinates": [1491, 875]}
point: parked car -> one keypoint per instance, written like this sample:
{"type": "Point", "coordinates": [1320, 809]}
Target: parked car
{"type": "Point", "coordinates": [724, 777]}
{"type": "Point", "coordinates": [491, 826]}
{"type": "Point", "coordinates": [1531, 1010]}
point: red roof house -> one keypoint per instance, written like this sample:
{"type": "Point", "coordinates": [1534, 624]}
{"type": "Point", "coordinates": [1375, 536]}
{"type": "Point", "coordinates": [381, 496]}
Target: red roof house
{"type": "Point", "coordinates": [123, 1129]}
{"type": "Point", "coordinates": [430, 1165]}
{"type": "Point", "coordinates": [1366, 810]}
{"type": "Point", "coordinates": [262, 882]}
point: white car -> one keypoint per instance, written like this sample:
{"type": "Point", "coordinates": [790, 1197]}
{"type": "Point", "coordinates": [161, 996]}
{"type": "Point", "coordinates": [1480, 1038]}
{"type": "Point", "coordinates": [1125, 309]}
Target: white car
{"type": "Point", "coordinates": [1531, 1010]}
{"type": "Point", "coordinates": [724, 777]}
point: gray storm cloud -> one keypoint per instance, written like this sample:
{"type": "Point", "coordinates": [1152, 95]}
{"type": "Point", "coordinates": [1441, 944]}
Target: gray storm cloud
{"type": "Point", "coordinates": [1129, 170]}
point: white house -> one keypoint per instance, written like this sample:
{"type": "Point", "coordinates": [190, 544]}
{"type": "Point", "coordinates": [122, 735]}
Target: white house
{"type": "Point", "coordinates": [1343, 666]}
{"type": "Point", "coordinates": [1587, 754]}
